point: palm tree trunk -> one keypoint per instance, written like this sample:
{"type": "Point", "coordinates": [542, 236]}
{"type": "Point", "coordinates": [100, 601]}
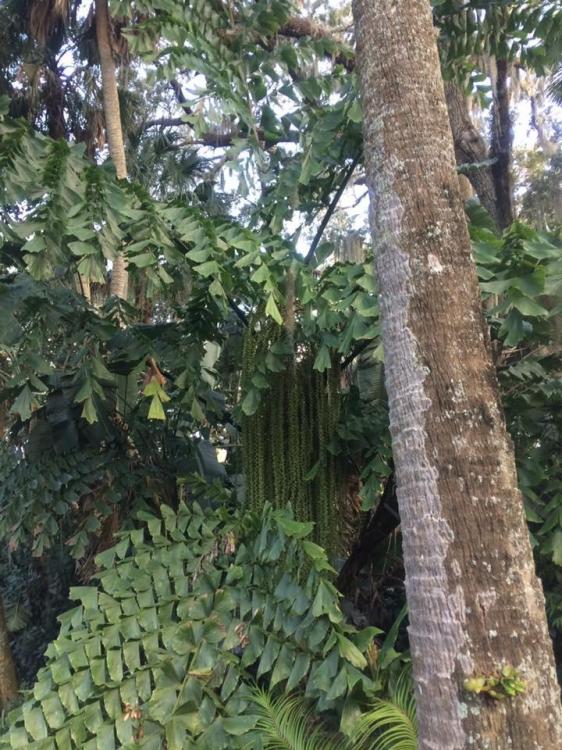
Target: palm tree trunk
{"type": "Point", "coordinates": [113, 127]}
{"type": "Point", "coordinates": [474, 600]}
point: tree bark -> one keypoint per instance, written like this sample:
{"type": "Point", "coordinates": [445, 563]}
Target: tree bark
{"type": "Point", "coordinates": [501, 145]}
{"type": "Point", "coordinates": [113, 127]}
{"type": "Point", "coordinates": [471, 148]}
{"type": "Point", "coordinates": [378, 527]}
{"type": "Point", "coordinates": [8, 678]}
{"type": "Point", "coordinates": [475, 603]}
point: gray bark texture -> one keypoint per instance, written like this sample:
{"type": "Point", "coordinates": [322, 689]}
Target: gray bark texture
{"type": "Point", "coordinates": [113, 129]}
{"type": "Point", "coordinates": [475, 602]}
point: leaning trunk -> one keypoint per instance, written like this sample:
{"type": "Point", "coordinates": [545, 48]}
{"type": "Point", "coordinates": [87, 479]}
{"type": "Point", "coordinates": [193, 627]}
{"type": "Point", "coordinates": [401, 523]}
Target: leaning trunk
{"type": "Point", "coordinates": [113, 127]}
{"type": "Point", "coordinates": [475, 602]}
{"type": "Point", "coordinates": [471, 149]}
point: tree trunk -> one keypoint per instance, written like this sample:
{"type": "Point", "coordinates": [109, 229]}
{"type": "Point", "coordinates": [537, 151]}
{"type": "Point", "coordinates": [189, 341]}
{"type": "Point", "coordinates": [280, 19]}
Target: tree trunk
{"type": "Point", "coordinates": [113, 127]}
{"type": "Point", "coordinates": [549, 148]}
{"type": "Point", "coordinates": [471, 148]}
{"type": "Point", "coordinates": [501, 145]}
{"type": "Point", "coordinates": [8, 678]}
{"type": "Point", "coordinates": [474, 600]}
{"type": "Point", "coordinates": [378, 527]}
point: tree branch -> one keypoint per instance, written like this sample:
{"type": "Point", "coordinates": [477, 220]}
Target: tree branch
{"type": "Point", "coordinates": [492, 186]}
{"type": "Point", "coordinates": [238, 312]}
{"type": "Point", "coordinates": [298, 27]}
{"type": "Point", "coordinates": [330, 210]}
{"type": "Point", "coordinates": [356, 351]}
{"type": "Point", "coordinates": [164, 122]}
{"type": "Point", "coordinates": [218, 138]}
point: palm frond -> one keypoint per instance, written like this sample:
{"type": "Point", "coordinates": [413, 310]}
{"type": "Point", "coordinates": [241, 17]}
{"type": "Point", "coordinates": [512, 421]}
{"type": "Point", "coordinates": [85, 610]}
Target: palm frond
{"type": "Point", "coordinates": [391, 723]}
{"type": "Point", "coordinates": [286, 723]}
{"type": "Point", "coordinates": [47, 17]}
{"type": "Point", "coordinates": [554, 87]}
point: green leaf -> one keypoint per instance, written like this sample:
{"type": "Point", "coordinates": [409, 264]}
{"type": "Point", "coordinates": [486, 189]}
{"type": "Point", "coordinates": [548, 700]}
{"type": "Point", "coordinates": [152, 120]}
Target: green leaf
{"type": "Point", "coordinates": [199, 256]}
{"type": "Point", "coordinates": [497, 287]}
{"type": "Point", "coordinates": [295, 529]}
{"type": "Point", "coordinates": [283, 665]}
{"type": "Point", "coordinates": [318, 556]}
{"type": "Point", "coordinates": [272, 310]}
{"type": "Point", "coordinates": [323, 360]}
{"type": "Point", "coordinates": [268, 656]}
{"type": "Point", "coordinates": [23, 404]}
{"type": "Point", "coordinates": [355, 111]}
{"type": "Point", "coordinates": [34, 722]}
{"type": "Point", "coordinates": [156, 410]}
{"type": "Point", "coordinates": [387, 653]}
{"type": "Point", "coordinates": [247, 260]}
{"type": "Point", "coordinates": [239, 725]}
{"type": "Point", "coordinates": [251, 402]}
{"type": "Point", "coordinates": [261, 274]}
{"type": "Point", "coordinates": [299, 671]}
{"type": "Point", "coordinates": [35, 245]}
{"type": "Point", "coordinates": [210, 268]}
{"type": "Point", "coordinates": [82, 248]}
{"type": "Point", "coordinates": [143, 260]}
{"type": "Point", "coordinates": [326, 602]}
{"type": "Point", "coordinates": [89, 412]}
{"type": "Point", "coordinates": [528, 306]}
{"type": "Point", "coordinates": [197, 412]}
{"type": "Point", "coordinates": [557, 547]}
{"type": "Point", "coordinates": [216, 289]}
{"type": "Point", "coordinates": [351, 653]}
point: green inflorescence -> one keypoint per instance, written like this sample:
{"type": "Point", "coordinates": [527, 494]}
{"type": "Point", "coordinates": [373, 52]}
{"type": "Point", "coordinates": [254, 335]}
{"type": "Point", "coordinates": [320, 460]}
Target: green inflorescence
{"type": "Point", "coordinates": [287, 441]}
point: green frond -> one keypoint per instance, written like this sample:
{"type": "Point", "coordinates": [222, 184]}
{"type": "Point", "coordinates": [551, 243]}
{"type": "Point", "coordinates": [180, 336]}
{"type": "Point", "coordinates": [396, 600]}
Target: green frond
{"type": "Point", "coordinates": [391, 722]}
{"type": "Point", "coordinates": [555, 85]}
{"type": "Point", "coordinates": [287, 723]}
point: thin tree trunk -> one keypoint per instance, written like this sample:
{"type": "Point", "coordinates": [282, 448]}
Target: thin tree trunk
{"type": "Point", "coordinates": [475, 603]}
{"type": "Point", "coordinates": [501, 145]}
{"type": "Point", "coordinates": [549, 148]}
{"type": "Point", "coordinates": [113, 127]}
{"type": "Point", "coordinates": [8, 678]}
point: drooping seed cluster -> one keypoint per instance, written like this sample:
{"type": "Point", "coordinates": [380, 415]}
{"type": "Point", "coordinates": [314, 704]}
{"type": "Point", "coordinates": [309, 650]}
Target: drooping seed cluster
{"type": "Point", "coordinates": [288, 451]}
